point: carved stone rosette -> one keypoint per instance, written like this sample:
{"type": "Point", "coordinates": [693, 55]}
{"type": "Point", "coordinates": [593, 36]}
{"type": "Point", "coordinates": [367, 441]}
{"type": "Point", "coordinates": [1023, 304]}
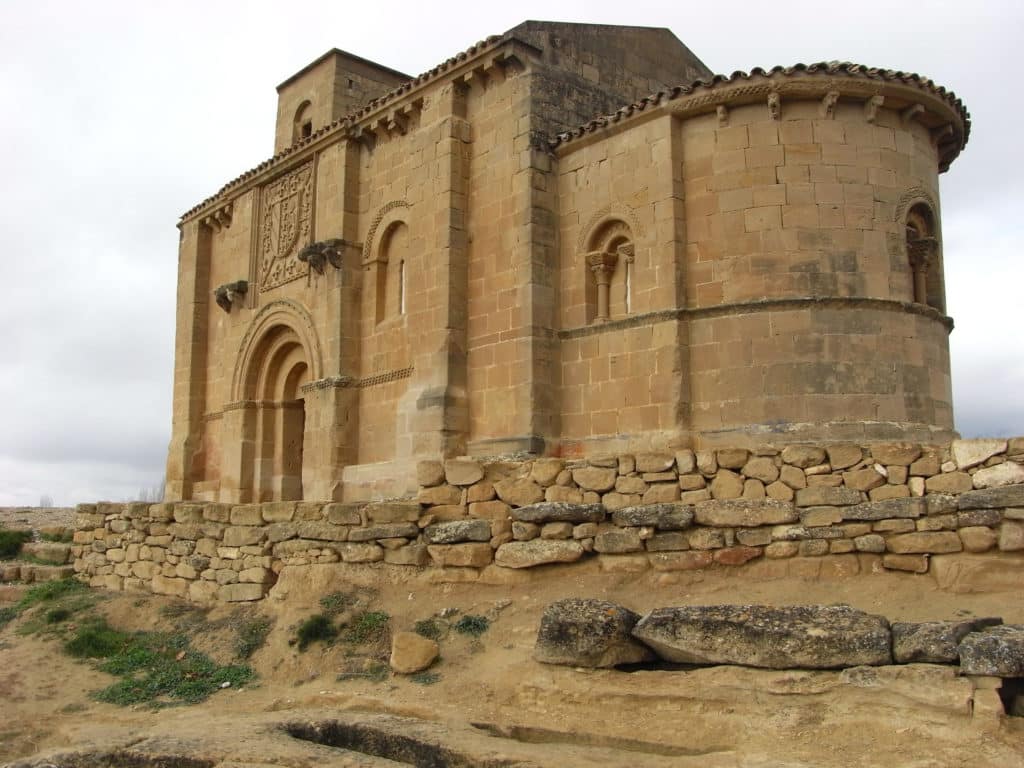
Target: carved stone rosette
{"type": "Point", "coordinates": [285, 219]}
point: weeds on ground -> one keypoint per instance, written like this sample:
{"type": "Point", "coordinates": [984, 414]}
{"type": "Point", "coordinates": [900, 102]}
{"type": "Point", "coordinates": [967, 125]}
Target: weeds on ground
{"type": "Point", "coordinates": [11, 541]}
{"type": "Point", "coordinates": [7, 615]}
{"type": "Point", "coordinates": [374, 672]}
{"type": "Point", "coordinates": [316, 628]}
{"type": "Point", "coordinates": [432, 628]}
{"type": "Point", "coordinates": [366, 627]}
{"type": "Point", "coordinates": [62, 599]}
{"type": "Point", "coordinates": [252, 634]}
{"type": "Point", "coordinates": [425, 678]}
{"type": "Point", "coordinates": [63, 538]}
{"type": "Point", "coordinates": [157, 669]}
{"type": "Point", "coordinates": [472, 625]}
{"type": "Point", "coordinates": [336, 603]}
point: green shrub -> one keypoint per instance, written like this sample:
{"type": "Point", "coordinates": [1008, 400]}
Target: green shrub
{"type": "Point", "coordinates": [335, 603]}
{"type": "Point", "coordinates": [251, 637]}
{"type": "Point", "coordinates": [366, 627]}
{"type": "Point", "coordinates": [472, 625]}
{"type": "Point", "coordinates": [425, 678]}
{"type": "Point", "coordinates": [316, 628]}
{"type": "Point", "coordinates": [64, 538]}
{"type": "Point", "coordinates": [432, 629]}
{"type": "Point", "coordinates": [57, 615]}
{"type": "Point", "coordinates": [96, 640]}
{"type": "Point", "coordinates": [49, 591]}
{"type": "Point", "coordinates": [11, 541]}
{"type": "Point", "coordinates": [7, 615]}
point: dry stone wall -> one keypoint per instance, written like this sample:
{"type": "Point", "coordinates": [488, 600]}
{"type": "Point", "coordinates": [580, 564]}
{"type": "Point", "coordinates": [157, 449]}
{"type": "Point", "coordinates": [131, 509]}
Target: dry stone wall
{"type": "Point", "coordinates": [890, 506]}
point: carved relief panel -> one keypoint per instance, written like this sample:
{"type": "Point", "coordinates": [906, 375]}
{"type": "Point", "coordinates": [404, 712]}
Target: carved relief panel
{"type": "Point", "coordinates": [285, 222]}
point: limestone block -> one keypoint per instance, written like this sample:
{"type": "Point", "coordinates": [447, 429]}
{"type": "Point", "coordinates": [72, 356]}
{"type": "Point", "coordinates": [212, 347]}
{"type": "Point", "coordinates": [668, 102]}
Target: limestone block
{"type": "Point", "coordinates": [970, 453]}
{"type": "Point", "coordinates": [693, 497]}
{"type": "Point", "coordinates": [633, 484]}
{"type": "Point", "coordinates": [411, 554]}
{"type": "Point", "coordinates": [885, 509]}
{"type": "Point", "coordinates": [681, 561]}
{"type": "Point", "coordinates": [813, 548]}
{"type": "Point", "coordinates": [275, 533]}
{"type": "Point", "coordinates": [706, 538]}
{"type": "Point", "coordinates": [256, 576]}
{"type": "Point", "coordinates": [813, 517]}
{"type": "Point", "coordinates": [385, 531]}
{"type": "Point", "coordinates": [780, 491]}
{"type": "Point", "coordinates": [239, 593]}
{"type": "Point", "coordinates": [707, 462]}
{"type": "Point", "coordinates": [754, 537]}
{"type": "Point", "coordinates": [490, 510]}
{"type": "Point", "coordinates": [693, 482]}
{"type": "Point", "coordinates": [595, 478]}
{"type": "Point", "coordinates": [468, 555]}
{"type": "Point", "coordinates": [457, 531]}
{"type": "Point", "coordinates": [348, 514]}
{"type": "Point", "coordinates": [795, 637]}
{"type": "Point", "coordinates": [519, 492]}
{"type": "Point", "coordinates": [225, 576]}
{"type": "Point", "coordinates": [966, 573]}
{"type": "Point", "coordinates": [278, 511]}
{"type": "Point", "coordinates": [605, 461]}
{"type": "Point", "coordinates": [736, 555]}
{"type": "Point", "coordinates": [900, 454]}
{"type": "Point", "coordinates": [732, 458]}
{"type": "Point", "coordinates": [793, 477]}
{"type": "Point", "coordinates": [824, 480]}
{"type": "Point", "coordinates": [411, 653]}
{"type": "Point", "coordinates": [911, 563]}
{"type": "Point", "coordinates": [429, 473]}
{"type": "Point", "coordinates": [615, 500]}
{"type": "Point", "coordinates": [358, 553]}
{"type": "Point", "coordinates": [618, 541]}
{"type": "Point", "coordinates": [926, 466]}
{"type": "Point", "coordinates": [937, 523]}
{"type": "Point", "coordinates": [545, 471]}
{"type": "Point", "coordinates": [993, 498]}
{"type": "Point", "coordinates": [949, 482]}
{"type": "Point", "coordinates": [627, 465]}
{"type": "Point", "coordinates": [317, 530]}
{"type": "Point", "coordinates": [440, 494]}
{"type": "Point", "coordinates": [1011, 536]}
{"type": "Point", "coordinates": [553, 512]}
{"type": "Point", "coordinates": [934, 642]}
{"type": "Point", "coordinates": [525, 531]}
{"type": "Point", "coordinates": [843, 456]}
{"type": "Point", "coordinates": [753, 490]}
{"type": "Point", "coordinates": [563, 494]}
{"type": "Point", "coordinates": [246, 514]}
{"type": "Point", "coordinates": [1008, 473]}
{"type": "Point", "coordinates": [686, 462]}
{"type": "Point", "coordinates": [164, 585]}
{"type": "Point", "coordinates": [989, 517]}
{"type": "Point", "coordinates": [778, 550]}
{"type": "Point", "coordinates": [183, 531]}
{"type": "Point", "coordinates": [761, 468]}
{"type": "Point", "coordinates": [997, 651]}
{"type": "Point", "coordinates": [661, 493]}
{"type": "Point", "coordinates": [871, 542]}
{"type": "Point", "coordinates": [654, 462]}
{"type": "Point", "coordinates": [924, 543]}
{"type": "Point", "coordinates": [668, 542]}
{"type": "Point", "coordinates": [840, 546]}
{"type": "Point", "coordinates": [726, 485]}
{"type": "Point", "coordinates": [824, 496]}
{"type": "Point", "coordinates": [803, 456]}
{"type": "Point", "coordinates": [863, 479]}
{"type": "Point", "coordinates": [239, 536]}
{"type": "Point", "coordinates": [460, 472]}
{"type": "Point", "coordinates": [666, 517]}
{"type": "Point", "coordinates": [743, 513]}
{"type": "Point", "coordinates": [527, 554]}
{"type": "Point", "coordinates": [482, 491]}
{"type": "Point", "coordinates": [556, 531]}
{"type": "Point", "coordinates": [588, 633]}
{"type": "Point", "coordinates": [889, 492]}
{"type": "Point", "coordinates": [894, 526]}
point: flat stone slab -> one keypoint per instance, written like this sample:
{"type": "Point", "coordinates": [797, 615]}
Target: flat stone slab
{"type": "Point", "coordinates": [559, 512]}
{"type": "Point", "coordinates": [589, 633]}
{"type": "Point", "coordinates": [664, 517]}
{"type": "Point", "coordinates": [527, 554]}
{"type": "Point", "coordinates": [885, 510]}
{"type": "Point", "coordinates": [795, 637]}
{"type": "Point", "coordinates": [731, 513]}
{"type": "Point", "coordinates": [457, 531]}
{"type": "Point", "coordinates": [993, 498]}
{"type": "Point", "coordinates": [998, 652]}
{"type": "Point", "coordinates": [933, 642]}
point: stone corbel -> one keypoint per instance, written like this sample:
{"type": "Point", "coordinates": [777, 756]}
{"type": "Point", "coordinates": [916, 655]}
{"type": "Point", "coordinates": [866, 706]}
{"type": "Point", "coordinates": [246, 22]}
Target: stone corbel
{"type": "Point", "coordinates": [218, 219]}
{"type": "Point", "coordinates": [774, 106]}
{"type": "Point", "coordinates": [397, 122]}
{"type": "Point", "coordinates": [939, 135]}
{"type": "Point", "coordinates": [828, 105]}
{"type": "Point", "coordinates": [602, 264]}
{"type": "Point", "coordinates": [227, 293]}
{"type": "Point", "coordinates": [365, 136]}
{"type": "Point", "coordinates": [723, 115]}
{"type": "Point", "coordinates": [319, 255]}
{"type": "Point", "coordinates": [911, 112]}
{"type": "Point", "coordinates": [871, 107]}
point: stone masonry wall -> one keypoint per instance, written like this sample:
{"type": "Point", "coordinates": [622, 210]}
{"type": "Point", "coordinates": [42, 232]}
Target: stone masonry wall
{"type": "Point", "coordinates": [890, 506]}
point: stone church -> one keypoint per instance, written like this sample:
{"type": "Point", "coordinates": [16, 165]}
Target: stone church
{"type": "Point", "coordinates": [569, 239]}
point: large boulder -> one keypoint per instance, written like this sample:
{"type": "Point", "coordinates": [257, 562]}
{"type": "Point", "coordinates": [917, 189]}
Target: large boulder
{"type": "Point", "coordinates": [411, 653]}
{"type": "Point", "coordinates": [933, 642]}
{"type": "Point", "coordinates": [802, 637]}
{"type": "Point", "coordinates": [998, 651]}
{"type": "Point", "coordinates": [588, 633]}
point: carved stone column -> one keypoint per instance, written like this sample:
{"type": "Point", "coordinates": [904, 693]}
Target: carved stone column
{"type": "Point", "coordinates": [602, 264]}
{"type": "Point", "coordinates": [921, 253]}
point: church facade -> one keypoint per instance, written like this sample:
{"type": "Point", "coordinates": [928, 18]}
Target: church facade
{"type": "Point", "coordinates": [567, 240]}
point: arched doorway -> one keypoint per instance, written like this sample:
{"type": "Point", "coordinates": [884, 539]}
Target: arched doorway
{"type": "Point", "coordinates": [274, 387]}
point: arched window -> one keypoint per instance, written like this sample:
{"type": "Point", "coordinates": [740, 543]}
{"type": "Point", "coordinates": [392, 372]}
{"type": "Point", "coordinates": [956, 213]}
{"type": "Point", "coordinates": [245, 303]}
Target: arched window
{"type": "Point", "coordinates": [923, 254]}
{"type": "Point", "coordinates": [610, 272]}
{"type": "Point", "coordinates": [391, 285]}
{"type": "Point", "coordinates": [302, 126]}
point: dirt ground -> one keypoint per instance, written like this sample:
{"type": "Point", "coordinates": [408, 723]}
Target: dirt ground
{"type": "Point", "coordinates": [493, 705]}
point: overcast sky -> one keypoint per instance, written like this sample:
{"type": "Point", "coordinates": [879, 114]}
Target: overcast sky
{"type": "Point", "coordinates": [118, 117]}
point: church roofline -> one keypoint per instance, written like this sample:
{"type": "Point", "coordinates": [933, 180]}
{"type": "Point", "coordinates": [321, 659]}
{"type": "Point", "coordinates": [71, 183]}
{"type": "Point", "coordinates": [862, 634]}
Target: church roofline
{"type": "Point", "coordinates": [345, 54]}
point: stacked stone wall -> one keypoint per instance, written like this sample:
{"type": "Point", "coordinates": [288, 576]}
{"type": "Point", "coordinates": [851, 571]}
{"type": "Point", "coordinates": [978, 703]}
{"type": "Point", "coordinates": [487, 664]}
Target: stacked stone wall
{"type": "Point", "coordinates": [861, 509]}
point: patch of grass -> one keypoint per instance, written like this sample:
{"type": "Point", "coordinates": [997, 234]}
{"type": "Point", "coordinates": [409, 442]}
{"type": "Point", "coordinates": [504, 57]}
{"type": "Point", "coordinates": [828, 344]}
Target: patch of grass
{"type": "Point", "coordinates": [432, 628]}
{"type": "Point", "coordinates": [316, 628]}
{"type": "Point", "coordinates": [50, 591]}
{"type": "Point", "coordinates": [156, 668]}
{"type": "Point", "coordinates": [64, 538]}
{"type": "Point", "coordinates": [252, 635]}
{"type": "Point", "coordinates": [425, 678]}
{"type": "Point", "coordinates": [335, 603]}
{"type": "Point", "coordinates": [472, 625]}
{"type": "Point", "coordinates": [366, 627]}
{"type": "Point", "coordinates": [7, 615]}
{"type": "Point", "coordinates": [57, 615]}
{"type": "Point", "coordinates": [11, 541]}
